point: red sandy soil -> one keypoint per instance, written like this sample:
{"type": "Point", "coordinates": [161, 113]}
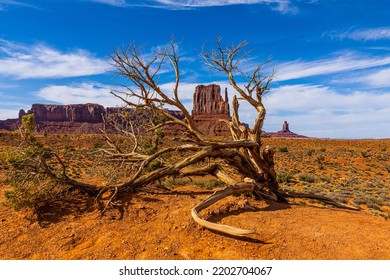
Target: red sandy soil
{"type": "Point", "coordinates": [157, 224]}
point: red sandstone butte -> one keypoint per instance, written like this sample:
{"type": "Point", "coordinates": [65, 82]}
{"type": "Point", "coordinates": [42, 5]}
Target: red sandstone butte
{"type": "Point", "coordinates": [209, 108]}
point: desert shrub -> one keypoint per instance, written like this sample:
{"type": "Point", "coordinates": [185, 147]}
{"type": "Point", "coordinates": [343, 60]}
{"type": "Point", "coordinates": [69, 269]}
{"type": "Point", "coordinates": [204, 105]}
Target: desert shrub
{"type": "Point", "coordinates": [178, 182]}
{"type": "Point", "coordinates": [147, 146]}
{"type": "Point", "coordinates": [326, 178]}
{"type": "Point", "coordinates": [365, 153]}
{"type": "Point", "coordinates": [284, 176]}
{"type": "Point", "coordinates": [359, 200]}
{"type": "Point", "coordinates": [31, 171]}
{"type": "Point", "coordinates": [306, 178]}
{"type": "Point", "coordinates": [320, 159]}
{"type": "Point", "coordinates": [373, 205]}
{"type": "Point", "coordinates": [283, 149]}
{"type": "Point", "coordinates": [310, 152]}
{"type": "Point", "coordinates": [210, 184]}
{"type": "Point", "coordinates": [30, 186]}
{"type": "Point", "coordinates": [153, 165]}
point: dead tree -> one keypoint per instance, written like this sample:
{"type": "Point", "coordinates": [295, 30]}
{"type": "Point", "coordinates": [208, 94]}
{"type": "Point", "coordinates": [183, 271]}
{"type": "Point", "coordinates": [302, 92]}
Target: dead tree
{"type": "Point", "coordinates": [244, 152]}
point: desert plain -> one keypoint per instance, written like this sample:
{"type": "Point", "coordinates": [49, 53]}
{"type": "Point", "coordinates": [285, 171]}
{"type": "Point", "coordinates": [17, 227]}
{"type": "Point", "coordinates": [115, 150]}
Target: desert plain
{"type": "Point", "coordinates": [155, 222]}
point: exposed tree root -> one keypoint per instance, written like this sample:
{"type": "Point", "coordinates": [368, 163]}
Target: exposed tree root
{"type": "Point", "coordinates": [323, 199]}
{"type": "Point", "coordinates": [218, 195]}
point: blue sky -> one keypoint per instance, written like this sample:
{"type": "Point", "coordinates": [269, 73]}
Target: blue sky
{"type": "Point", "coordinates": [332, 58]}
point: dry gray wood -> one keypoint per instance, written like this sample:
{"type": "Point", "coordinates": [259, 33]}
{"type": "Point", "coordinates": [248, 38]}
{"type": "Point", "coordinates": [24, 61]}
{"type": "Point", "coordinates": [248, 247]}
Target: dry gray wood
{"type": "Point", "coordinates": [218, 195]}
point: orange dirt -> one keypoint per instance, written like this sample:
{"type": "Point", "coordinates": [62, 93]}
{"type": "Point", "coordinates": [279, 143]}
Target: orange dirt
{"type": "Point", "coordinates": [156, 223]}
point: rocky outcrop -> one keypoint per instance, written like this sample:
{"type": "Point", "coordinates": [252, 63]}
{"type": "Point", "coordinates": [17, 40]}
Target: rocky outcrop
{"type": "Point", "coordinates": [9, 124]}
{"type": "Point", "coordinates": [88, 113]}
{"type": "Point", "coordinates": [285, 127]}
{"type": "Point", "coordinates": [75, 118]}
{"type": "Point", "coordinates": [208, 100]}
{"type": "Point", "coordinates": [209, 108]}
{"type": "Point", "coordinates": [284, 133]}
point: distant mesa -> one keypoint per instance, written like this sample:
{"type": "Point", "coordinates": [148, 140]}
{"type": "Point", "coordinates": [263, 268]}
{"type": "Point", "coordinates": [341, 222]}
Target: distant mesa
{"type": "Point", "coordinates": [209, 107]}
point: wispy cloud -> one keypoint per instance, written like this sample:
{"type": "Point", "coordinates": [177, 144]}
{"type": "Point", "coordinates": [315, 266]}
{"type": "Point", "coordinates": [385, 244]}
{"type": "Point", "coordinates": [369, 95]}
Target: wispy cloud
{"type": "Point", "coordinates": [117, 3]}
{"type": "Point", "coordinates": [6, 85]}
{"type": "Point", "coordinates": [379, 78]}
{"type": "Point", "coordinates": [306, 98]}
{"type": "Point", "coordinates": [367, 34]}
{"type": "Point", "coordinates": [348, 61]}
{"type": "Point", "coordinates": [5, 3]}
{"type": "Point", "coordinates": [282, 6]}
{"type": "Point", "coordinates": [40, 61]}
{"type": "Point", "coordinates": [8, 113]}
{"type": "Point", "coordinates": [80, 93]}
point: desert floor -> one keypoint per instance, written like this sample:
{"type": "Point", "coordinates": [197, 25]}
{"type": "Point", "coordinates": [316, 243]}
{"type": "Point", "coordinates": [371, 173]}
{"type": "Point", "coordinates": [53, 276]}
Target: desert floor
{"type": "Point", "coordinates": [156, 223]}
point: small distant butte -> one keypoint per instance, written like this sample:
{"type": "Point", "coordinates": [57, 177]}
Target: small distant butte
{"type": "Point", "coordinates": [284, 133]}
{"type": "Point", "coordinates": [209, 107]}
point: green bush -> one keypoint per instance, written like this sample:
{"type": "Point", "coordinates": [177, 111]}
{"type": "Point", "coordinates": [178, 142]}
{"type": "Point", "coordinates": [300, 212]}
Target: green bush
{"type": "Point", "coordinates": [284, 176]}
{"type": "Point", "coordinates": [210, 184]}
{"type": "Point", "coordinates": [310, 152]}
{"type": "Point", "coordinates": [32, 171]}
{"type": "Point", "coordinates": [283, 149]}
{"type": "Point", "coordinates": [306, 178]}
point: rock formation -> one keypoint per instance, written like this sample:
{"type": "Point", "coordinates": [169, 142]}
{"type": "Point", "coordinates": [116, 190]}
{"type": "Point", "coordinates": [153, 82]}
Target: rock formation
{"type": "Point", "coordinates": [208, 101]}
{"type": "Point", "coordinates": [89, 113]}
{"type": "Point", "coordinates": [209, 108]}
{"type": "Point", "coordinates": [285, 127]}
{"type": "Point", "coordinates": [284, 133]}
{"type": "Point", "coordinates": [9, 124]}
{"type": "Point", "coordinates": [75, 118]}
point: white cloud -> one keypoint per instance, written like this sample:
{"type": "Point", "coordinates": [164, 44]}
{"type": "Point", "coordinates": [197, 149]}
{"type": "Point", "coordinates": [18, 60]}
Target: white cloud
{"type": "Point", "coordinates": [40, 61]}
{"type": "Point", "coordinates": [380, 78]}
{"type": "Point", "coordinates": [80, 94]}
{"type": "Point", "coordinates": [6, 85]}
{"type": "Point", "coordinates": [304, 98]}
{"type": "Point", "coordinates": [319, 111]}
{"type": "Point", "coordinates": [8, 114]}
{"type": "Point", "coordinates": [118, 3]}
{"type": "Point", "coordinates": [211, 3]}
{"type": "Point", "coordinates": [11, 2]}
{"type": "Point", "coordinates": [368, 34]}
{"type": "Point", "coordinates": [283, 6]}
{"type": "Point", "coordinates": [348, 61]}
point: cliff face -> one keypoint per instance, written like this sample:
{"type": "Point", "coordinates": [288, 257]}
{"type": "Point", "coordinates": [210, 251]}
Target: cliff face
{"type": "Point", "coordinates": [9, 124]}
{"type": "Point", "coordinates": [208, 100]}
{"type": "Point", "coordinates": [89, 113]}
